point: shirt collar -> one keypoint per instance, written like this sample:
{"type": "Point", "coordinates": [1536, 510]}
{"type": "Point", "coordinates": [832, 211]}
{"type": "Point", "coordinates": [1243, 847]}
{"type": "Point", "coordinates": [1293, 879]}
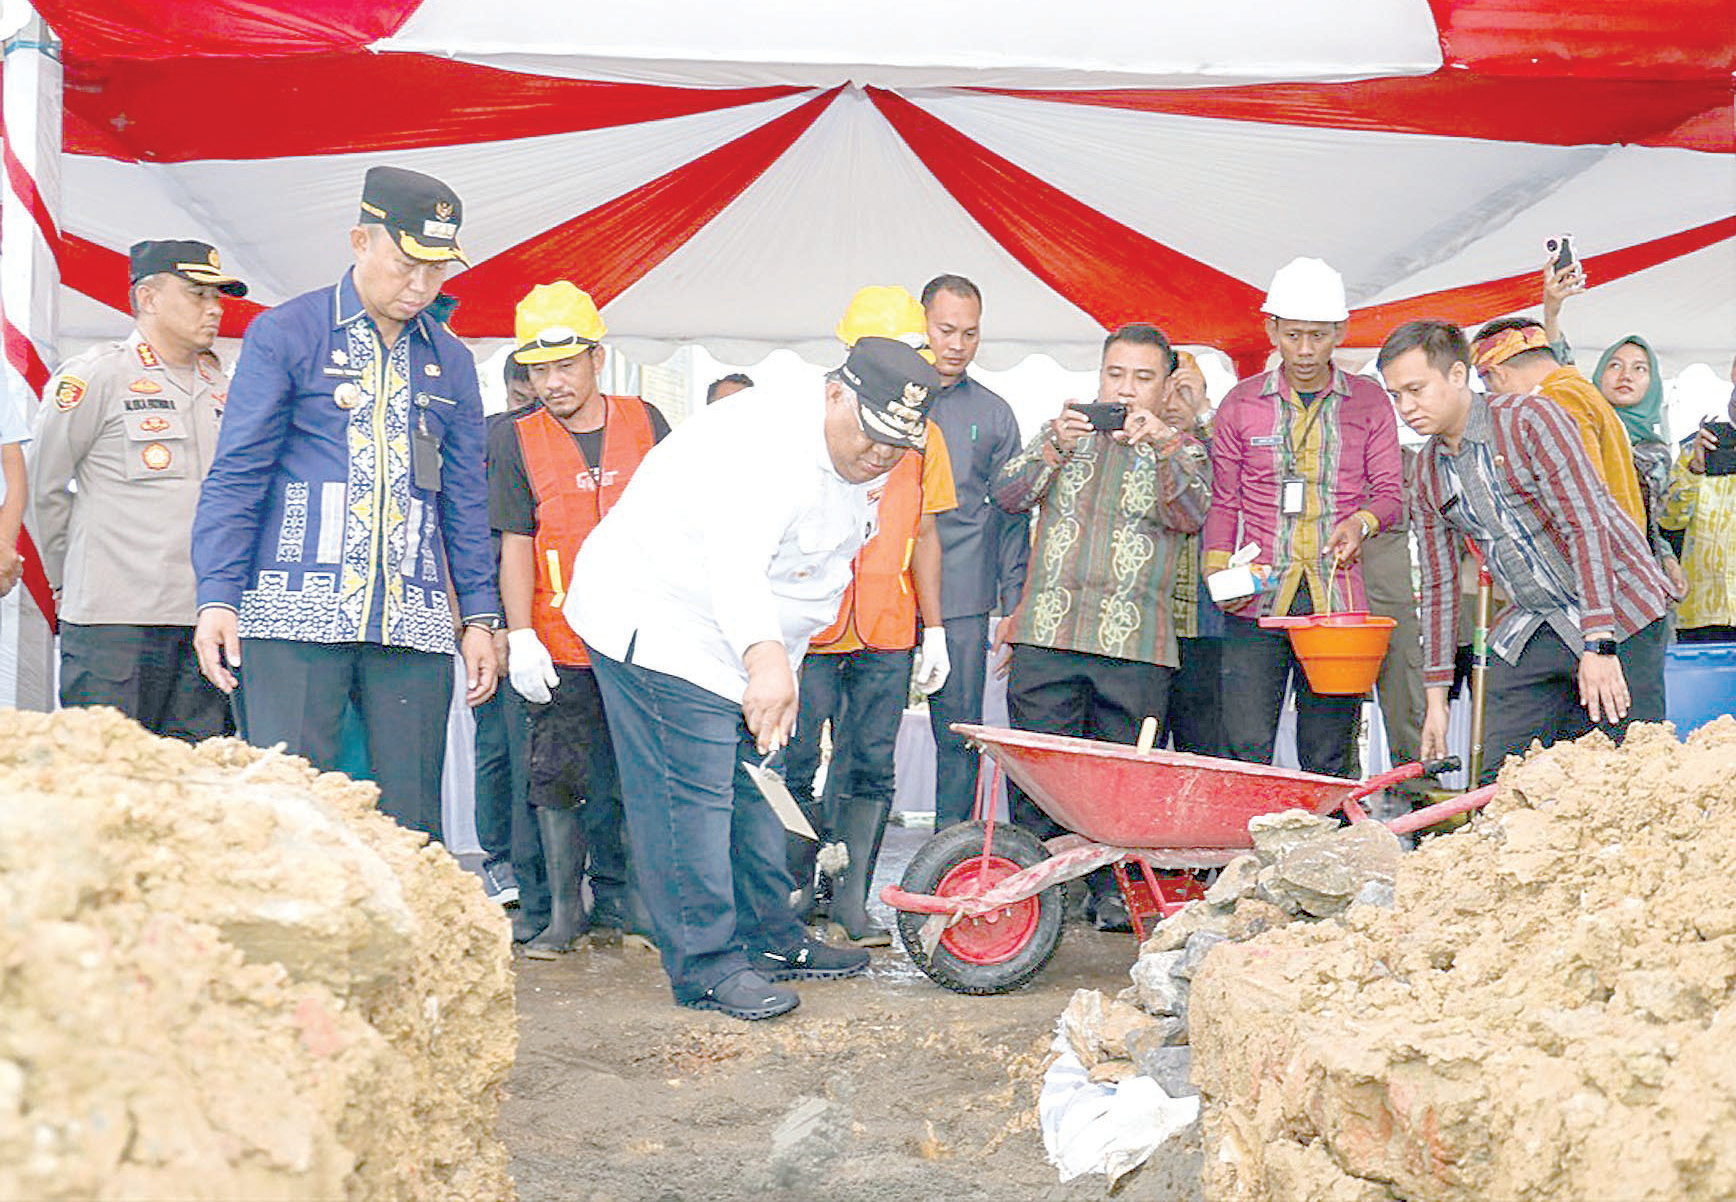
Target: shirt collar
{"type": "Point", "coordinates": [1277, 385]}
{"type": "Point", "coordinates": [1478, 426]}
{"type": "Point", "coordinates": [347, 308]}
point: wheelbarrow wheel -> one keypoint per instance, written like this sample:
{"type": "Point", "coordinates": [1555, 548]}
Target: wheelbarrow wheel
{"type": "Point", "coordinates": [997, 953]}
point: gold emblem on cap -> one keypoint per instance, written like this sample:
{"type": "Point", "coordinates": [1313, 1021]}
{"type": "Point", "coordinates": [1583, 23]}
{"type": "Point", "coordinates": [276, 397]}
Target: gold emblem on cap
{"type": "Point", "coordinates": [347, 396]}
{"type": "Point", "coordinates": [212, 258]}
{"type": "Point", "coordinates": [915, 394]}
{"type": "Point", "coordinates": [443, 210]}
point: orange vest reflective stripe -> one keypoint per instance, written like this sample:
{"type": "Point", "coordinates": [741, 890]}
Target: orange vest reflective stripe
{"type": "Point", "coordinates": [570, 501]}
{"type": "Point", "coordinates": [882, 594]}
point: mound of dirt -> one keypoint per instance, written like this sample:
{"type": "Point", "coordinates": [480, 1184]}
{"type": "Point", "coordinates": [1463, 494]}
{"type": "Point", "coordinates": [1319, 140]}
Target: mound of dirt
{"type": "Point", "coordinates": [225, 976]}
{"type": "Point", "coordinates": [1546, 1013]}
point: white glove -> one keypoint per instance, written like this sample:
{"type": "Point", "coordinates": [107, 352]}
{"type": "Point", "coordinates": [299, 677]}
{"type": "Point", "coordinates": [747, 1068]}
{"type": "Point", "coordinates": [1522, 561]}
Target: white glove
{"type": "Point", "coordinates": [933, 664]}
{"type": "Point", "coordinates": [528, 663]}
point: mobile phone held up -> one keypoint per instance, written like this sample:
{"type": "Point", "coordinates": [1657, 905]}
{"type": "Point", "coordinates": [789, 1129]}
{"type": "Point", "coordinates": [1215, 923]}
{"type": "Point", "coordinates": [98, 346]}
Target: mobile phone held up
{"type": "Point", "coordinates": [1103, 415]}
{"type": "Point", "coordinates": [1561, 252]}
{"type": "Point", "coordinates": [1721, 459]}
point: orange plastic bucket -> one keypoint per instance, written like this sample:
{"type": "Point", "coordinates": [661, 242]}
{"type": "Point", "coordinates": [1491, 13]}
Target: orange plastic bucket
{"type": "Point", "coordinates": [1341, 654]}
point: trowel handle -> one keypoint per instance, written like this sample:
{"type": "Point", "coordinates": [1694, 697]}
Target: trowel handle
{"type": "Point", "coordinates": [1451, 763]}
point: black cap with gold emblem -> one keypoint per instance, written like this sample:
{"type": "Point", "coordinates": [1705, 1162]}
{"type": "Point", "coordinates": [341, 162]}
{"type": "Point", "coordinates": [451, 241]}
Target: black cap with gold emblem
{"type": "Point", "coordinates": [894, 386]}
{"type": "Point", "coordinates": [422, 213]}
{"type": "Point", "coordinates": [189, 259]}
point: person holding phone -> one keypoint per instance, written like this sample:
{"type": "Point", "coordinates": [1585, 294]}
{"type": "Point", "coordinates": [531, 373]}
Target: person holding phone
{"type": "Point", "coordinates": [1116, 491]}
{"type": "Point", "coordinates": [1702, 503]}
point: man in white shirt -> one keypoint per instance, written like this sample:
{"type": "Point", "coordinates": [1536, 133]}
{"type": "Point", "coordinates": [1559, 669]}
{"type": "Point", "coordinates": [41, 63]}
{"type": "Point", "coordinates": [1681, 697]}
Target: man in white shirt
{"type": "Point", "coordinates": [696, 597]}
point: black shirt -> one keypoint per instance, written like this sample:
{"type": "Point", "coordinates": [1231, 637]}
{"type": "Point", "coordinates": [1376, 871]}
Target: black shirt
{"type": "Point", "coordinates": [511, 500]}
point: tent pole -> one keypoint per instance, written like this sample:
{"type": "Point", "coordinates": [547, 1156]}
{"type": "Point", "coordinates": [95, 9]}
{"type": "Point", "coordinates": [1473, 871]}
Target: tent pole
{"type": "Point", "coordinates": [29, 315]}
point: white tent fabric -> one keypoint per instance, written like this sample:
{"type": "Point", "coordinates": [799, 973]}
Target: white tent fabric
{"type": "Point", "coordinates": [918, 43]}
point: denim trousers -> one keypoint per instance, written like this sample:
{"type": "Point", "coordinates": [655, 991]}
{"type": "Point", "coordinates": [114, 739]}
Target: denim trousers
{"type": "Point", "coordinates": [708, 850]}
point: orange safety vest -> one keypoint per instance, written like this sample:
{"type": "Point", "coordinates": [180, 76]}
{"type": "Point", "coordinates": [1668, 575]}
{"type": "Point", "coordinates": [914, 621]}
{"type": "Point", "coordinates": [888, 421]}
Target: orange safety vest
{"type": "Point", "coordinates": [570, 501]}
{"type": "Point", "coordinates": [881, 596]}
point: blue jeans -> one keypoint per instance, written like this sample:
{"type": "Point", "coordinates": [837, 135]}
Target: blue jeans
{"type": "Point", "coordinates": [960, 700]}
{"type": "Point", "coordinates": [708, 850]}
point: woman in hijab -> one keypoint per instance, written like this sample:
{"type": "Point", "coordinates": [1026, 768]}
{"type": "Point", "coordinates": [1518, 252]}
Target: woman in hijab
{"type": "Point", "coordinates": [1627, 376]}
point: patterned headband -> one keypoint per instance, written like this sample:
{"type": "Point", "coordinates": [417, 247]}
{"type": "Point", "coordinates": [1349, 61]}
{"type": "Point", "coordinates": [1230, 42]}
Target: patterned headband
{"type": "Point", "coordinates": [1498, 348]}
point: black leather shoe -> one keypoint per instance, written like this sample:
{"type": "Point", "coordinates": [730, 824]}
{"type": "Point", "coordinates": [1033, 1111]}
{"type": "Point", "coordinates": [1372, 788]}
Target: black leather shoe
{"type": "Point", "coordinates": [747, 996]}
{"type": "Point", "coordinates": [812, 960]}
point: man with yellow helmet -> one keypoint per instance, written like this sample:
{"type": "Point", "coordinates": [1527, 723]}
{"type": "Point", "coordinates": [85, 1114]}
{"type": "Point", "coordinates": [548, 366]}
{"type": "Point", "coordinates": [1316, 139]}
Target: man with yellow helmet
{"type": "Point", "coordinates": [554, 470]}
{"type": "Point", "coordinates": [857, 671]}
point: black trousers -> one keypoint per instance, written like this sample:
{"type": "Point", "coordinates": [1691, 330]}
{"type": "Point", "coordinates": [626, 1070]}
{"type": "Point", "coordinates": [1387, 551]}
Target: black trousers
{"type": "Point", "coordinates": [1195, 718]}
{"type": "Point", "coordinates": [148, 673]}
{"type": "Point", "coordinates": [1538, 697]}
{"type": "Point", "coordinates": [1077, 693]}
{"type": "Point", "coordinates": [294, 693]}
{"type": "Point", "coordinates": [1257, 664]}
{"type": "Point", "coordinates": [960, 700]}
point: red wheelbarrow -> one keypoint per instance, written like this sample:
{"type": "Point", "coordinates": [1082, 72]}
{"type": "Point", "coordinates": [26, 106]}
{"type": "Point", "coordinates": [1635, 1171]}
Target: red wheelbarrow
{"type": "Point", "coordinates": [978, 908]}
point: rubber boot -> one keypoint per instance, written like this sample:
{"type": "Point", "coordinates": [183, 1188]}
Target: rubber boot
{"type": "Point", "coordinates": [563, 840]}
{"type": "Point", "coordinates": [862, 822]}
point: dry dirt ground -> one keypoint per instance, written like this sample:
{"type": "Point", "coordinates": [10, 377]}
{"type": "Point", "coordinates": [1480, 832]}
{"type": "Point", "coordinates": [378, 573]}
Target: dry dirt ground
{"type": "Point", "coordinates": [620, 1096]}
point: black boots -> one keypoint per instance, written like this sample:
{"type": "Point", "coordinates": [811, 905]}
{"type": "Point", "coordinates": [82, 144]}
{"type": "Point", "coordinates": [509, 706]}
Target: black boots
{"type": "Point", "coordinates": [563, 840]}
{"type": "Point", "coordinates": [861, 823]}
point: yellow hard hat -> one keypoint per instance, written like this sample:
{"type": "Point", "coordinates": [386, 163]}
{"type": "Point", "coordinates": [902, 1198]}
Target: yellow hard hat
{"type": "Point", "coordinates": [884, 311]}
{"type": "Point", "coordinates": [556, 321]}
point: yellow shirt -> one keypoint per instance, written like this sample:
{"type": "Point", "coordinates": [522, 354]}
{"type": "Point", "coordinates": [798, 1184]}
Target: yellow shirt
{"type": "Point", "coordinates": [1606, 440]}
{"type": "Point", "coordinates": [1705, 507]}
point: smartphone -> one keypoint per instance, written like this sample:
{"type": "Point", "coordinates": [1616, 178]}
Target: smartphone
{"type": "Point", "coordinates": [1721, 459]}
{"type": "Point", "coordinates": [1103, 415]}
{"type": "Point", "coordinates": [1562, 250]}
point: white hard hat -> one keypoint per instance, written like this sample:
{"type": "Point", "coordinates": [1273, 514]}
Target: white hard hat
{"type": "Point", "coordinates": [1307, 290]}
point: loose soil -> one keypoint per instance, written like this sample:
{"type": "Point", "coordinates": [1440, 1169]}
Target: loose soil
{"type": "Point", "coordinates": [619, 1095]}
{"type": "Point", "coordinates": [1548, 1012]}
{"type": "Point", "coordinates": [224, 976]}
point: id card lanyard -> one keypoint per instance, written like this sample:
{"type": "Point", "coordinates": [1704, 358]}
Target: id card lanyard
{"type": "Point", "coordinates": [1292, 486]}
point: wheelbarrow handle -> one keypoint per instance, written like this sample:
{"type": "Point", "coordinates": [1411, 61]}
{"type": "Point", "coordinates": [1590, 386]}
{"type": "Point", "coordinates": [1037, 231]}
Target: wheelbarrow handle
{"type": "Point", "coordinates": [1403, 772]}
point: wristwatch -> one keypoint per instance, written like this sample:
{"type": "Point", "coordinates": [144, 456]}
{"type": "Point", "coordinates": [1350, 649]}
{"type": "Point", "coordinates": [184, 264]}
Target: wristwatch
{"type": "Point", "coordinates": [1600, 646]}
{"type": "Point", "coordinates": [489, 622]}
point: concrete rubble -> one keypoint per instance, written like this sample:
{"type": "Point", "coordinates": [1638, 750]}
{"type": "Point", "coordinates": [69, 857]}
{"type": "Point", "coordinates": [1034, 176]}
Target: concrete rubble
{"type": "Point", "coordinates": [1302, 866]}
{"type": "Point", "coordinates": [228, 976]}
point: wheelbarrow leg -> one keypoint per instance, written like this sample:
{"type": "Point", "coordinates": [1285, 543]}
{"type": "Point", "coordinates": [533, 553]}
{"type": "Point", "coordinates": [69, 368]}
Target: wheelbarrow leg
{"type": "Point", "coordinates": [1153, 894]}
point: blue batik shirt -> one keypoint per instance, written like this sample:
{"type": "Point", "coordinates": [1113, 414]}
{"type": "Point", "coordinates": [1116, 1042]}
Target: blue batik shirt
{"type": "Point", "coordinates": [311, 524]}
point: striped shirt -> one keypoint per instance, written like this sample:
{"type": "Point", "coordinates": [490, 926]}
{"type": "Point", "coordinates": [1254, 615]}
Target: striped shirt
{"type": "Point", "coordinates": [1343, 447]}
{"type": "Point", "coordinates": [1111, 519]}
{"type": "Point", "coordinates": [1522, 487]}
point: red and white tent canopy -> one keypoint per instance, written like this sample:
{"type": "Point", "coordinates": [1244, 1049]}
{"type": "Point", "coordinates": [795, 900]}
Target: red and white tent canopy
{"type": "Point", "coordinates": [731, 173]}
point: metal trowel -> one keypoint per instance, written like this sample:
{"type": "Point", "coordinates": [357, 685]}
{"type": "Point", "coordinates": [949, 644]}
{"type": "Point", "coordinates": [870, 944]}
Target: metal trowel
{"type": "Point", "coordinates": [772, 788]}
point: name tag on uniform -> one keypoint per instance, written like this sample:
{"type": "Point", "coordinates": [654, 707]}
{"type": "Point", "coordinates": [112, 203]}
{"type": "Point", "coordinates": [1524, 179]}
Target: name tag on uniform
{"type": "Point", "coordinates": [1291, 497]}
{"type": "Point", "coordinates": [342, 373]}
{"type": "Point", "coordinates": [1267, 440]}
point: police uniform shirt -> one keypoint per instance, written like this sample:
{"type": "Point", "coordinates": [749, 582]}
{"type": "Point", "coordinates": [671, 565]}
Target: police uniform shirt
{"type": "Point", "coordinates": [134, 437]}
